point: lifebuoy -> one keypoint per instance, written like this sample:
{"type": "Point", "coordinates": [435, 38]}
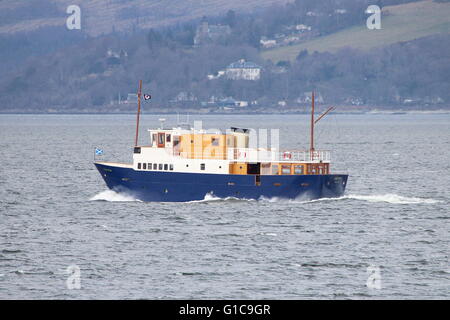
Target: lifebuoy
{"type": "Point", "coordinates": [287, 156]}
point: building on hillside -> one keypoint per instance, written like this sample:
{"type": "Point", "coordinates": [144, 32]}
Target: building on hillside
{"type": "Point", "coordinates": [184, 96]}
{"type": "Point", "coordinates": [243, 70]}
{"type": "Point", "coordinates": [306, 98]}
{"type": "Point", "coordinates": [340, 11]}
{"type": "Point", "coordinates": [131, 98]}
{"type": "Point", "coordinates": [302, 27]}
{"type": "Point", "coordinates": [219, 74]}
{"type": "Point", "coordinates": [115, 57]}
{"type": "Point", "coordinates": [210, 33]}
{"type": "Point", "coordinates": [227, 102]}
{"type": "Point", "coordinates": [267, 43]}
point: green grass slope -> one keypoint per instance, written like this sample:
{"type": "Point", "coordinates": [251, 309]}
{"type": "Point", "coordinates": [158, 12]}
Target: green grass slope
{"type": "Point", "coordinates": [101, 16]}
{"type": "Point", "coordinates": [398, 23]}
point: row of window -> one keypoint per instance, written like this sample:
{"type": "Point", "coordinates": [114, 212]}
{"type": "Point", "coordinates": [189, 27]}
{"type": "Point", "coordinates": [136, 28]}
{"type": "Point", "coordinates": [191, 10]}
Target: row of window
{"type": "Point", "coordinates": [286, 169]}
{"type": "Point", "coordinates": [321, 168]}
{"type": "Point", "coordinates": [162, 166]}
{"type": "Point", "coordinates": [155, 166]}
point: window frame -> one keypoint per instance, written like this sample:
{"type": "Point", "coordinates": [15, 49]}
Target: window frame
{"type": "Point", "coordinates": [285, 167]}
{"type": "Point", "coordinates": [299, 166]}
{"type": "Point", "coordinates": [275, 166]}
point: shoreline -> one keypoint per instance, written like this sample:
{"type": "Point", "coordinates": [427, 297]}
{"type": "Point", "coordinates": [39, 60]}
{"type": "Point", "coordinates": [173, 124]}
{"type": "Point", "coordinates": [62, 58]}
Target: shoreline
{"type": "Point", "coordinates": [371, 112]}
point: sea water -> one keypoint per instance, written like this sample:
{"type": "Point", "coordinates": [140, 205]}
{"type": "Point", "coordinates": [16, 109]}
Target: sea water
{"type": "Point", "coordinates": [64, 235]}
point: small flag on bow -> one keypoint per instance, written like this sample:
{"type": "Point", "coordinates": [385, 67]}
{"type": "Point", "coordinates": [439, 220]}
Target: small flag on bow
{"type": "Point", "coordinates": [98, 152]}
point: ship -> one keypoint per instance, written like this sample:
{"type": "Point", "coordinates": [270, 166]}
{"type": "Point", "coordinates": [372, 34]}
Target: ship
{"type": "Point", "coordinates": [184, 163]}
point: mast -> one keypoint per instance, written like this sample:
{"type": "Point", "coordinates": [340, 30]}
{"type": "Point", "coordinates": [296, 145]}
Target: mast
{"type": "Point", "coordinates": [311, 148]}
{"type": "Point", "coordinates": [138, 112]}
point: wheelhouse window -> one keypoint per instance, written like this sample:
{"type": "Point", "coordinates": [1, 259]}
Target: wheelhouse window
{"type": "Point", "coordinates": [171, 167]}
{"type": "Point", "coordinates": [166, 166]}
{"type": "Point", "coordinates": [155, 166]}
{"type": "Point", "coordinates": [202, 166]}
{"type": "Point", "coordinates": [160, 166]}
{"type": "Point", "coordinates": [154, 138]}
{"type": "Point", "coordinates": [149, 166]}
{"type": "Point", "coordinates": [168, 137]}
{"type": "Point", "coordinates": [214, 141]}
{"type": "Point", "coordinates": [139, 165]}
{"type": "Point", "coordinates": [144, 166]}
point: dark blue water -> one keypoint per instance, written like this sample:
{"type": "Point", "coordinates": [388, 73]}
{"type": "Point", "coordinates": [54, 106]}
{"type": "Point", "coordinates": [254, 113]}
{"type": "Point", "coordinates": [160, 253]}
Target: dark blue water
{"type": "Point", "coordinates": [56, 212]}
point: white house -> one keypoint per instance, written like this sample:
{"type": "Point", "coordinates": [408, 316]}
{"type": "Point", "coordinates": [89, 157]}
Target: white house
{"type": "Point", "coordinates": [243, 70]}
{"type": "Point", "coordinates": [268, 43]}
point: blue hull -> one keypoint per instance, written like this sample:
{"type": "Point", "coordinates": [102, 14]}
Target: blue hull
{"type": "Point", "coordinates": [182, 187]}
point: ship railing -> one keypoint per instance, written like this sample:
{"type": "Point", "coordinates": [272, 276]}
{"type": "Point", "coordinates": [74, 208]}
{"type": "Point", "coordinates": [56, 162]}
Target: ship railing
{"type": "Point", "coordinates": [260, 155]}
{"type": "Point", "coordinates": [266, 155]}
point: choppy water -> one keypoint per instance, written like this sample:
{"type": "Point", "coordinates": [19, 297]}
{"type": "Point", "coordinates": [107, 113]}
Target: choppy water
{"type": "Point", "coordinates": [56, 212]}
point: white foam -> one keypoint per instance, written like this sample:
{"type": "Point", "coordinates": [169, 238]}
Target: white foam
{"type": "Point", "coordinates": [211, 198]}
{"type": "Point", "coordinates": [304, 198]}
{"type": "Point", "coordinates": [389, 198]}
{"type": "Point", "coordinates": [112, 196]}
{"type": "Point", "coordinates": [392, 198]}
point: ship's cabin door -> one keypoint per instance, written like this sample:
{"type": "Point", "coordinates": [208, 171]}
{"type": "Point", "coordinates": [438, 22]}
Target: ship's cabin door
{"type": "Point", "coordinates": [254, 168]}
{"type": "Point", "coordinates": [161, 139]}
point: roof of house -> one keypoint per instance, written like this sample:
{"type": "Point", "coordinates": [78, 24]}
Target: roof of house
{"type": "Point", "coordinates": [242, 64]}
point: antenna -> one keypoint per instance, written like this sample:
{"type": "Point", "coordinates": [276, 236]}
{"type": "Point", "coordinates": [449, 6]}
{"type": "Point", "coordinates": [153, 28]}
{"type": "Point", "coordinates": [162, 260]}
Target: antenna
{"type": "Point", "coordinates": [324, 114]}
{"type": "Point", "coordinates": [311, 148]}
{"type": "Point", "coordinates": [162, 122]}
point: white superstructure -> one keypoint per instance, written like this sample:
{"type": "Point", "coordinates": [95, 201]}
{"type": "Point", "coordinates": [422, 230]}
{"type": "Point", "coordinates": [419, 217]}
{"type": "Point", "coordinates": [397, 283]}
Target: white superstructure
{"type": "Point", "coordinates": [197, 151]}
